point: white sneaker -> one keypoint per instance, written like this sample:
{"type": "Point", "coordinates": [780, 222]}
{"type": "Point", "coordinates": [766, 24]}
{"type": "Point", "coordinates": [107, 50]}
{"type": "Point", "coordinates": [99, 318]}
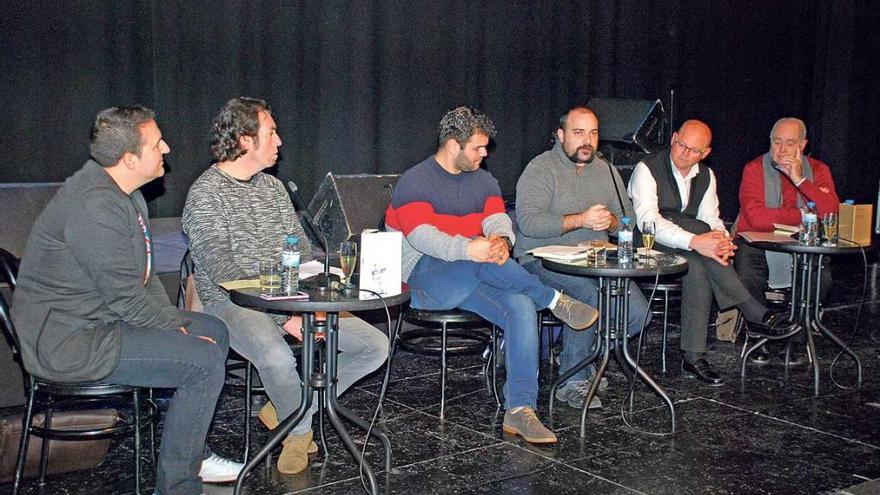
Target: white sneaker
{"type": "Point", "coordinates": [216, 469]}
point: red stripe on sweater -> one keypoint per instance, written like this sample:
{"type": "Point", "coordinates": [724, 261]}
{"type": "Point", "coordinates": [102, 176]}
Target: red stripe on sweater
{"type": "Point", "coordinates": [407, 217]}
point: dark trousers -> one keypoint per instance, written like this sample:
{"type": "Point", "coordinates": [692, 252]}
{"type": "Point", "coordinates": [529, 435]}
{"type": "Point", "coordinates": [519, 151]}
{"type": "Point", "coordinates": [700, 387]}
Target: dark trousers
{"type": "Point", "coordinates": [704, 279]}
{"type": "Point", "coordinates": [195, 368]}
{"type": "Point", "coordinates": [751, 264]}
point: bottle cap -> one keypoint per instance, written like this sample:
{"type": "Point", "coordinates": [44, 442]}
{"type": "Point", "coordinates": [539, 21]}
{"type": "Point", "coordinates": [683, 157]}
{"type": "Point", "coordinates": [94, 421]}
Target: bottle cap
{"type": "Point", "coordinates": [811, 204]}
{"type": "Point", "coordinates": [849, 202]}
{"type": "Point", "coordinates": [625, 220]}
{"type": "Point", "coordinates": [292, 239]}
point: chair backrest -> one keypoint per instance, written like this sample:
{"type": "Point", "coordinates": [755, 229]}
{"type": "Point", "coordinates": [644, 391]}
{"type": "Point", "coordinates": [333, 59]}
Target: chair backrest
{"type": "Point", "coordinates": [9, 329]}
{"type": "Point", "coordinates": [8, 268]}
{"type": "Point", "coordinates": [187, 297]}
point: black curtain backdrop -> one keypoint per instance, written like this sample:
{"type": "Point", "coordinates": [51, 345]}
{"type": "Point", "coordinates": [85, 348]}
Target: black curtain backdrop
{"type": "Point", "coordinates": [359, 86]}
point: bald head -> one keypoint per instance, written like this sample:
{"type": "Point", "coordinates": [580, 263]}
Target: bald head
{"type": "Point", "coordinates": [690, 144]}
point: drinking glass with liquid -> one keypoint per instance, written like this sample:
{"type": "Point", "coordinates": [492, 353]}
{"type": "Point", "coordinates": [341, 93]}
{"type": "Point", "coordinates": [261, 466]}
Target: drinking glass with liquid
{"type": "Point", "coordinates": [649, 230]}
{"type": "Point", "coordinates": [829, 227]}
{"type": "Point", "coordinates": [347, 260]}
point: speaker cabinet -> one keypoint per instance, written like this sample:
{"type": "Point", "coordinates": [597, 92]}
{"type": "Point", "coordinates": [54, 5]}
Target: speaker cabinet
{"type": "Point", "coordinates": [345, 205]}
{"type": "Point", "coordinates": [634, 122]}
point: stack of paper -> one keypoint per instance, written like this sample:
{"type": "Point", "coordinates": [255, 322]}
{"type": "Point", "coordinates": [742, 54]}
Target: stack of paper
{"type": "Point", "coordinates": [566, 253]}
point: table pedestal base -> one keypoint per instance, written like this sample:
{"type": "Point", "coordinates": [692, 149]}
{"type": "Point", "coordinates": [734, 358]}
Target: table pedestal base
{"type": "Point", "coordinates": [324, 382]}
{"type": "Point", "coordinates": [613, 336]}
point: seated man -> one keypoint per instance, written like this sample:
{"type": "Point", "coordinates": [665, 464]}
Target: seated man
{"type": "Point", "coordinates": [235, 216]}
{"type": "Point", "coordinates": [774, 188]}
{"type": "Point", "coordinates": [677, 192]}
{"type": "Point", "coordinates": [456, 253]}
{"type": "Point", "coordinates": [565, 196]}
{"type": "Point", "coordinates": [89, 307]}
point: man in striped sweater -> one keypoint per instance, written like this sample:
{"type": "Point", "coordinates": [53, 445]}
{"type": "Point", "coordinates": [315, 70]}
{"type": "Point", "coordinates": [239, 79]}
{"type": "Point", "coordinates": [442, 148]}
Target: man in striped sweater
{"type": "Point", "coordinates": [235, 216]}
{"type": "Point", "coordinates": [456, 254]}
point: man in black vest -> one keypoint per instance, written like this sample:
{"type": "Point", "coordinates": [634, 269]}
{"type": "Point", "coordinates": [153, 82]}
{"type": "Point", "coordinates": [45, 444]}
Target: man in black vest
{"type": "Point", "coordinates": [678, 193]}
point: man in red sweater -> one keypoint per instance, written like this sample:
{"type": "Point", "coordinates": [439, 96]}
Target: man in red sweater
{"type": "Point", "coordinates": [774, 187]}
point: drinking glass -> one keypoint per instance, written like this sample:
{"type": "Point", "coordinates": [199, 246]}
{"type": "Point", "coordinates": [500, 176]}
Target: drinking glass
{"type": "Point", "coordinates": [829, 226]}
{"type": "Point", "coordinates": [649, 230]}
{"type": "Point", "coordinates": [596, 256]}
{"type": "Point", "coordinates": [270, 277]}
{"type": "Point", "coordinates": [347, 260]}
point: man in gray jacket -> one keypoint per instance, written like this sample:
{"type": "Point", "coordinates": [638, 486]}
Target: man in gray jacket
{"type": "Point", "coordinates": [89, 308]}
{"type": "Point", "coordinates": [566, 195]}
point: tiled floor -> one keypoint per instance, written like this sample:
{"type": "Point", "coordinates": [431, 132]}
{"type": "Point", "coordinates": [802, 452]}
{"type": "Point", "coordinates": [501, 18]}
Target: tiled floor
{"type": "Point", "coordinates": [765, 435]}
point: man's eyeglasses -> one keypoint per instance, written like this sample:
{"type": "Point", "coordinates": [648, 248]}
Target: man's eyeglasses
{"type": "Point", "coordinates": [688, 148]}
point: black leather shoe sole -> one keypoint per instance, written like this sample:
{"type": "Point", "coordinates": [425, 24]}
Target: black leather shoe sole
{"type": "Point", "coordinates": [692, 371]}
{"type": "Point", "coordinates": [760, 356]}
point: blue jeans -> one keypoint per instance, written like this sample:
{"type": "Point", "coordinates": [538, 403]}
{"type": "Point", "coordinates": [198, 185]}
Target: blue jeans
{"type": "Point", "coordinates": [259, 339]}
{"type": "Point", "coordinates": [195, 368]}
{"type": "Point", "coordinates": [576, 344]}
{"type": "Point", "coordinates": [505, 295]}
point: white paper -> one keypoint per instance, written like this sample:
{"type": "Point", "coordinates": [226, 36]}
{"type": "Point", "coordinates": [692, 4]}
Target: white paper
{"type": "Point", "coordinates": [380, 263]}
{"type": "Point", "coordinates": [568, 253]}
{"type": "Point", "coordinates": [314, 267]}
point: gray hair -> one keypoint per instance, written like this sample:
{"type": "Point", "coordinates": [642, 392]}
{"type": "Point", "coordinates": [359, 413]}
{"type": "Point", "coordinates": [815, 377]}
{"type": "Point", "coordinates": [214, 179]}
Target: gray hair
{"type": "Point", "coordinates": [802, 128]}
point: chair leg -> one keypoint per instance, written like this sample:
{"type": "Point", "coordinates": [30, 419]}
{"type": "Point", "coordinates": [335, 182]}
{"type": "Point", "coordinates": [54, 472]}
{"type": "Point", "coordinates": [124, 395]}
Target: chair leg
{"type": "Point", "coordinates": [248, 394]}
{"type": "Point", "coordinates": [136, 402]}
{"type": "Point", "coordinates": [44, 451]}
{"type": "Point", "coordinates": [494, 363]}
{"type": "Point", "coordinates": [153, 420]}
{"type": "Point", "coordinates": [26, 422]}
{"type": "Point", "coordinates": [665, 329]}
{"type": "Point", "coordinates": [443, 371]}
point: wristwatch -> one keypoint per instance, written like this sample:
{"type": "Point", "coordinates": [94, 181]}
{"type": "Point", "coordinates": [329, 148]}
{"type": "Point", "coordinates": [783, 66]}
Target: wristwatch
{"type": "Point", "coordinates": [509, 244]}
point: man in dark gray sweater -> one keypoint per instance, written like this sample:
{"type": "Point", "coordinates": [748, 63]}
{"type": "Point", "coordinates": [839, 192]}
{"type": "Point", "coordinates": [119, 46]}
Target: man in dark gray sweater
{"type": "Point", "coordinates": [565, 196]}
{"type": "Point", "coordinates": [88, 305]}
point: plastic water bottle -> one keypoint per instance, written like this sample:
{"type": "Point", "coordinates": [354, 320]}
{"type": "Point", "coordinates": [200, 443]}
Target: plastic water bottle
{"type": "Point", "coordinates": [810, 226]}
{"type": "Point", "coordinates": [290, 257]}
{"type": "Point", "coordinates": [625, 242]}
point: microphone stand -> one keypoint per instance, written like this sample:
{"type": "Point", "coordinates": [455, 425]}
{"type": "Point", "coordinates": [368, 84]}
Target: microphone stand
{"type": "Point", "coordinates": [325, 281]}
{"type": "Point", "coordinates": [322, 281]}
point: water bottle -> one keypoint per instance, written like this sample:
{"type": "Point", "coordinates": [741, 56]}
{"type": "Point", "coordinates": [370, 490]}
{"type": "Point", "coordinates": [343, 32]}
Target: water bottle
{"type": "Point", "coordinates": [290, 257]}
{"type": "Point", "coordinates": [625, 242]}
{"type": "Point", "coordinates": [810, 227]}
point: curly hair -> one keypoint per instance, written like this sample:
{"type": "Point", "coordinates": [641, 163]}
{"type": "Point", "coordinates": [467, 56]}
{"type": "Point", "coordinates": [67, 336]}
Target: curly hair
{"type": "Point", "coordinates": [462, 123]}
{"type": "Point", "coordinates": [116, 132]}
{"type": "Point", "coordinates": [238, 117]}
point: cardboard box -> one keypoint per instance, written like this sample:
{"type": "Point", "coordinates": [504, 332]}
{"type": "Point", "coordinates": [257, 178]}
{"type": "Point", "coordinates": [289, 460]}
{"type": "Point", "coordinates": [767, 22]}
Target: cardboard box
{"type": "Point", "coordinates": [855, 223]}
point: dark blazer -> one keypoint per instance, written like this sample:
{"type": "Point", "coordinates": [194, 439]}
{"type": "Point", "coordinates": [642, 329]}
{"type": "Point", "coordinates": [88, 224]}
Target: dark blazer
{"type": "Point", "coordinates": [83, 273]}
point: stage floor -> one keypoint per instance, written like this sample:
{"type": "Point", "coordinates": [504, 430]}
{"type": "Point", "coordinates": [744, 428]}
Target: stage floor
{"type": "Point", "coordinates": [767, 435]}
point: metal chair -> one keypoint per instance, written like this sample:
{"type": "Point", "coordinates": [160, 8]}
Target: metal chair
{"type": "Point", "coordinates": [46, 396]}
{"type": "Point", "coordinates": [188, 299]}
{"type": "Point", "coordinates": [436, 324]}
{"type": "Point", "coordinates": [547, 321]}
{"type": "Point", "coordinates": [666, 291]}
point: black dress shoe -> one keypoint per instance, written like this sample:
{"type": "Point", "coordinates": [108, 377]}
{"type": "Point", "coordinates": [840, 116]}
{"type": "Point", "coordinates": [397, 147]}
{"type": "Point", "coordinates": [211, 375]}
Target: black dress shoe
{"type": "Point", "coordinates": [760, 356]}
{"type": "Point", "coordinates": [775, 325]}
{"type": "Point", "coordinates": [702, 371]}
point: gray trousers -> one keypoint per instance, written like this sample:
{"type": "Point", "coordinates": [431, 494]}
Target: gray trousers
{"type": "Point", "coordinates": [704, 279]}
{"type": "Point", "coordinates": [256, 336]}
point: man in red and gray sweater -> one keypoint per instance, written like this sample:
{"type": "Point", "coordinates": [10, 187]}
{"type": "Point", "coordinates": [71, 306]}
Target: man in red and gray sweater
{"type": "Point", "coordinates": [774, 188]}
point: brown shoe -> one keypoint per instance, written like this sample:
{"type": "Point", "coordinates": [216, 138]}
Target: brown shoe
{"type": "Point", "coordinates": [269, 416]}
{"type": "Point", "coordinates": [576, 314]}
{"type": "Point", "coordinates": [526, 424]}
{"type": "Point", "coordinates": [294, 457]}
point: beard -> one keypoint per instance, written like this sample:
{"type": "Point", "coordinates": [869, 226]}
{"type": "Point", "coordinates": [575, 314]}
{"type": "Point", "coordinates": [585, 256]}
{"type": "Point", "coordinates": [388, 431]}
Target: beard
{"type": "Point", "coordinates": [587, 148]}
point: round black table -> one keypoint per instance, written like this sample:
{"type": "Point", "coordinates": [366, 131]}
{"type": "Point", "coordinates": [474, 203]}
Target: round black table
{"type": "Point", "coordinates": [324, 379]}
{"type": "Point", "coordinates": [806, 273]}
{"type": "Point", "coordinates": [614, 285]}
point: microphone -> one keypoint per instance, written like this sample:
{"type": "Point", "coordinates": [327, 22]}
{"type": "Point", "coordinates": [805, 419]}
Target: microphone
{"type": "Point", "coordinates": [613, 181]}
{"type": "Point", "coordinates": [321, 281]}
